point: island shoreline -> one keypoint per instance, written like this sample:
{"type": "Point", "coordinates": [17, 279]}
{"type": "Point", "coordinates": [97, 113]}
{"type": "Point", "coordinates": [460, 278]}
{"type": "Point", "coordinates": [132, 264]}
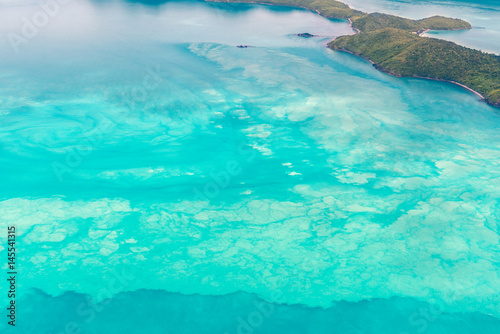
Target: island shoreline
{"type": "Point", "coordinates": [381, 69]}
{"type": "Point", "coordinates": [357, 31]}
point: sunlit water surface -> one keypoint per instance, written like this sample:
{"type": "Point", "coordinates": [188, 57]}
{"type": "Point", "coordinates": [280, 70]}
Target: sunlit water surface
{"type": "Point", "coordinates": [163, 180]}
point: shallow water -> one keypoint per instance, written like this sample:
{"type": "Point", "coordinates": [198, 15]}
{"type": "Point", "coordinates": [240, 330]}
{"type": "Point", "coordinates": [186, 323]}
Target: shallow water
{"type": "Point", "coordinates": [150, 164]}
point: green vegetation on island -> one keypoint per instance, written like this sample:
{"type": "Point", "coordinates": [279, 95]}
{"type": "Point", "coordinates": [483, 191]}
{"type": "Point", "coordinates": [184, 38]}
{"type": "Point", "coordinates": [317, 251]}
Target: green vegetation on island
{"type": "Point", "coordinates": [377, 21]}
{"type": "Point", "coordinates": [328, 8]}
{"type": "Point", "coordinates": [394, 45]}
{"type": "Point", "coordinates": [402, 53]}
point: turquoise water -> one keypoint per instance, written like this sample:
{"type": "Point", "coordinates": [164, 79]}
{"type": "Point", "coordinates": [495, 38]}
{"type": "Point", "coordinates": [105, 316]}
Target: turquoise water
{"type": "Point", "coordinates": [482, 14]}
{"type": "Point", "coordinates": [163, 180]}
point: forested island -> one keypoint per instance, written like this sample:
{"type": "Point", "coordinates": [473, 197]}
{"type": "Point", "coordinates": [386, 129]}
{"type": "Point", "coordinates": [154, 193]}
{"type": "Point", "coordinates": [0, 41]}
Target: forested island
{"type": "Point", "coordinates": [394, 45]}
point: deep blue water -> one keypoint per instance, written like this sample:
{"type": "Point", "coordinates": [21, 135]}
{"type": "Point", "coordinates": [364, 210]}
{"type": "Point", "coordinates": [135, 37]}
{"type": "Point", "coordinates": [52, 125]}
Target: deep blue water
{"type": "Point", "coordinates": [161, 312]}
{"type": "Point", "coordinates": [163, 180]}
